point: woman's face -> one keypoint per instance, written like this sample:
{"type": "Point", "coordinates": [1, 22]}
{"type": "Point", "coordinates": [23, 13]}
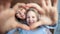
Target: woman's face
{"type": "Point", "coordinates": [21, 13]}
{"type": "Point", "coordinates": [31, 17]}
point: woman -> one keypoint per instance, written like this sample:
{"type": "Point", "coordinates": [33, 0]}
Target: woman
{"type": "Point", "coordinates": [32, 16]}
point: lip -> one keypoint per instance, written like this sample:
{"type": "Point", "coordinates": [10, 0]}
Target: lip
{"type": "Point", "coordinates": [30, 22]}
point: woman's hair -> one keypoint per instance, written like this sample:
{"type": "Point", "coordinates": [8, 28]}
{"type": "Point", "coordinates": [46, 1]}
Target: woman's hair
{"type": "Point", "coordinates": [35, 11]}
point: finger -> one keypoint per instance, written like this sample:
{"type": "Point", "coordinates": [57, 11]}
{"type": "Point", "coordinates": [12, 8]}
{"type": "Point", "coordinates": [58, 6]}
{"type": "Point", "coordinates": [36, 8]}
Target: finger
{"type": "Point", "coordinates": [18, 5]}
{"type": "Point", "coordinates": [54, 3]}
{"type": "Point", "coordinates": [48, 2]}
{"type": "Point", "coordinates": [30, 5]}
{"type": "Point", "coordinates": [18, 15]}
{"type": "Point", "coordinates": [44, 6]}
{"type": "Point", "coordinates": [43, 3]}
{"type": "Point", "coordinates": [37, 7]}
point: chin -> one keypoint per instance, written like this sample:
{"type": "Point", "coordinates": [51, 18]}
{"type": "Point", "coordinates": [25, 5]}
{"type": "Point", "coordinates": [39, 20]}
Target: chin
{"type": "Point", "coordinates": [30, 23]}
{"type": "Point", "coordinates": [22, 18]}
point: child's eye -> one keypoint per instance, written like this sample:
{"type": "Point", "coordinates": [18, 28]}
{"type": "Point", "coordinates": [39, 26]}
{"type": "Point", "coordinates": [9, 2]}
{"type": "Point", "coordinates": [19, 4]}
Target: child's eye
{"type": "Point", "coordinates": [33, 17]}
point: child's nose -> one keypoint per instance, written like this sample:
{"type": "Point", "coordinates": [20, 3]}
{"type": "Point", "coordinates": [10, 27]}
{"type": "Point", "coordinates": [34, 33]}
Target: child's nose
{"type": "Point", "coordinates": [31, 19]}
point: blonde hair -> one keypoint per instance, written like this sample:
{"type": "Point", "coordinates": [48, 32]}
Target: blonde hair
{"type": "Point", "coordinates": [36, 12]}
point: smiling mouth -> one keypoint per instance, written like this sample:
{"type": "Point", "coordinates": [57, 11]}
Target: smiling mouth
{"type": "Point", "coordinates": [31, 22]}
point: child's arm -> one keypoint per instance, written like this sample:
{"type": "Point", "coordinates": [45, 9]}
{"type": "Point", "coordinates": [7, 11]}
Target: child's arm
{"type": "Point", "coordinates": [18, 5]}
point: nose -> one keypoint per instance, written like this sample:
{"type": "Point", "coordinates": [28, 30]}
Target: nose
{"type": "Point", "coordinates": [30, 19]}
{"type": "Point", "coordinates": [22, 14]}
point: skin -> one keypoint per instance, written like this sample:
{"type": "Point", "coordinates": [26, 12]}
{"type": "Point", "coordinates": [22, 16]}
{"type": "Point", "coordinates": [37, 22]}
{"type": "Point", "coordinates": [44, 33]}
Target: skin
{"type": "Point", "coordinates": [48, 17]}
{"type": "Point", "coordinates": [9, 22]}
{"type": "Point", "coordinates": [2, 21]}
{"type": "Point", "coordinates": [20, 8]}
{"type": "Point", "coordinates": [53, 13]}
{"type": "Point", "coordinates": [31, 17]}
{"type": "Point", "coordinates": [46, 6]}
{"type": "Point", "coordinates": [6, 3]}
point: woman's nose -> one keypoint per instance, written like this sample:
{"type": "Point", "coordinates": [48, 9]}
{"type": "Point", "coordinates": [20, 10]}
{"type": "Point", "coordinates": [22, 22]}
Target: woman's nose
{"type": "Point", "coordinates": [22, 14]}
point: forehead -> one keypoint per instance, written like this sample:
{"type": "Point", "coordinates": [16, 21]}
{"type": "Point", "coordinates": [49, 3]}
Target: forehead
{"type": "Point", "coordinates": [31, 13]}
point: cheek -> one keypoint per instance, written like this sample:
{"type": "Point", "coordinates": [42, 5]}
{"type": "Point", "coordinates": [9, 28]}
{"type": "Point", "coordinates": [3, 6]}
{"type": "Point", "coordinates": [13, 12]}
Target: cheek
{"type": "Point", "coordinates": [35, 19]}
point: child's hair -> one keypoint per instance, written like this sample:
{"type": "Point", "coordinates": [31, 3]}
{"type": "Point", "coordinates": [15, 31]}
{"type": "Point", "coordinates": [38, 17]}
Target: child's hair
{"type": "Point", "coordinates": [35, 11]}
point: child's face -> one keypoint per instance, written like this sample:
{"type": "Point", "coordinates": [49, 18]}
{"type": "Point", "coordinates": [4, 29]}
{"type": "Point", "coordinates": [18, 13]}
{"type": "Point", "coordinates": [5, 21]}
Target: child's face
{"type": "Point", "coordinates": [31, 17]}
